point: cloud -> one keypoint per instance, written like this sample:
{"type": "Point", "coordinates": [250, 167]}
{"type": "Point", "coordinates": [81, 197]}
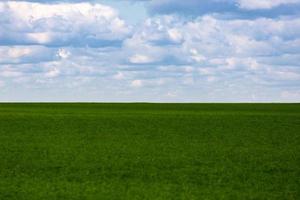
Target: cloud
{"type": "Point", "coordinates": [2, 84]}
{"type": "Point", "coordinates": [293, 96]}
{"type": "Point", "coordinates": [25, 54]}
{"type": "Point", "coordinates": [136, 83]}
{"type": "Point", "coordinates": [70, 1]}
{"type": "Point", "coordinates": [66, 48]}
{"type": "Point", "coordinates": [52, 73]}
{"type": "Point", "coordinates": [264, 4]}
{"type": "Point", "coordinates": [64, 24]}
{"type": "Point", "coordinates": [140, 59]}
{"type": "Point", "coordinates": [63, 53]}
{"type": "Point", "coordinates": [10, 73]}
{"type": "Point", "coordinates": [236, 8]}
{"type": "Point", "coordinates": [214, 50]}
{"type": "Point", "coordinates": [119, 76]}
{"type": "Point", "coordinates": [232, 8]}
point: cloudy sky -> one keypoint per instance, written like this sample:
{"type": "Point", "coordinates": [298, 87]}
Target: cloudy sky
{"type": "Point", "coordinates": [154, 51]}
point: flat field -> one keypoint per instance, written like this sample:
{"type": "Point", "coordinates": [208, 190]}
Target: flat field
{"type": "Point", "coordinates": [149, 151]}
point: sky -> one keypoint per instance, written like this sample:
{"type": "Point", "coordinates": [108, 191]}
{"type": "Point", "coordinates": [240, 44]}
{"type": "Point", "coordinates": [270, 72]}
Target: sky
{"type": "Point", "coordinates": [150, 51]}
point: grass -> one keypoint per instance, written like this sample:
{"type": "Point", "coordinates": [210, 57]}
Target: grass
{"type": "Point", "coordinates": [149, 151]}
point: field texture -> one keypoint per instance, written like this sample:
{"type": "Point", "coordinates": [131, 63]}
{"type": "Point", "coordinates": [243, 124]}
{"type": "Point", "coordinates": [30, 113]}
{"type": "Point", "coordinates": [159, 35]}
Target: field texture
{"type": "Point", "coordinates": [149, 151]}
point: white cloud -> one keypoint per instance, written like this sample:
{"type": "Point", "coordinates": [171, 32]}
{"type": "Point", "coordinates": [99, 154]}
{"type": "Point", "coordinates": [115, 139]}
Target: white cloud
{"type": "Point", "coordinates": [62, 24]}
{"type": "Point", "coordinates": [293, 96]}
{"type": "Point", "coordinates": [119, 76]}
{"type": "Point", "coordinates": [52, 73]}
{"type": "Point", "coordinates": [63, 53]}
{"type": "Point", "coordinates": [69, 46]}
{"type": "Point", "coordinates": [175, 35]}
{"type": "Point", "coordinates": [2, 84]}
{"type": "Point", "coordinates": [283, 74]}
{"type": "Point", "coordinates": [14, 52]}
{"type": "Point", "coordinates": [171, 94]}
{"type": "Point", "coordinates": [140, 59]}
{"type": "Point", "coordinates": [136, 83]}
{"type": "Point", "coordinates": [40, 38]}
{"type": "Point", "coordinates": [234, 8]}
{"type": "Point", "coordinates": [25, 54]}
{"type": "Point", "coordinates": [10, 73]}
{"type": "Point", "coordinates": [196, 56]}
{"type": "Point", "coordinates": [264, 4]}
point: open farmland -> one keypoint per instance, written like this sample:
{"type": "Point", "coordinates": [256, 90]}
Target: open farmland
{"type": "Point", "coordinates": [149, 151]}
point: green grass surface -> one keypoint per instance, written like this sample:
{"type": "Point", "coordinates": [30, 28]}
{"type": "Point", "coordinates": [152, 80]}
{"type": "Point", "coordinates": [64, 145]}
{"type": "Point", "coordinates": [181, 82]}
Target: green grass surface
{"type": "Point", "coordinates": [149, 151]}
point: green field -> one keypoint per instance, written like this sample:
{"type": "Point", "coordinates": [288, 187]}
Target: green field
{"type": "Point", "coordinates": [149, 151]}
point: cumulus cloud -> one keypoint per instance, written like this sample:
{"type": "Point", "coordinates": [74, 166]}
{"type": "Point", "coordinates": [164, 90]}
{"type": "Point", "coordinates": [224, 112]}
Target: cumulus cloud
{"type": "Point", "coordinates": [1, 84]}
{"type": "Point", "coordinates": [136, 83]}
{"type": "Point", "coordinates": [237, 8]}
{"type": "Point", "coordinates": [87, 47]}
{"type": "Point", "coordinates": [119, 76]}
{"type": "Point", "coordinates": [213, 50]}
{"type": "Point", "coordinates": [63, 53]}
{"type": "Point", "coordinates": [64, 24]}
{"type": "Point", "coordinates": [264, 4]}
{"type": "Point", "coordinates": [245, 8]}
{"type": "Point", "coordinates": [52, 73]}
{"type": "Point", "coordinates": [293, 96]}
{"type": "Point", "coordinates": [25, 54]}
{"type": "Point", "coordinates": [9, 73]}
{"type": "Point", "coordinates": [140, 59]}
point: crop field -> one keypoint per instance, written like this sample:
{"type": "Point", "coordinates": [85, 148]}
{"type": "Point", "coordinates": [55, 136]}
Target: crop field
{"type": "Point", "coordinates": [149, 151]}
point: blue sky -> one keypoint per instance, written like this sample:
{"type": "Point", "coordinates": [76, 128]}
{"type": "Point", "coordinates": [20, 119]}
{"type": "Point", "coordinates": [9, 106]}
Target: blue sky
{"type": "Point", "coordinates": [153, 51]}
